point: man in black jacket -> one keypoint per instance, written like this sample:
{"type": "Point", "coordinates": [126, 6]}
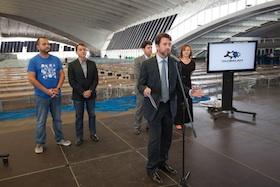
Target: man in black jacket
{"type": "Point", "coordinates": [158, 83]}
{"type": "Point", "coordinates": [83, 78]}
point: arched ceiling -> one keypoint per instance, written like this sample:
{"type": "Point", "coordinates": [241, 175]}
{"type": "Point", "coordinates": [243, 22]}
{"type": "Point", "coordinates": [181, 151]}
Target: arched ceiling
{"type": "Point", "coordinates": [89, 21]}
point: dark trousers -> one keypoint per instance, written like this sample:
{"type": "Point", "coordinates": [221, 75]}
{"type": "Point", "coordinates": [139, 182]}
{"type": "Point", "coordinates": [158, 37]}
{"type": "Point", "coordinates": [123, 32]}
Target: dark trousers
{"type": "Point", "coordinates": [79, 108]}
{"type": "Point", "coordinates": [160, 137]}
{"type": "Point", "coordinates": [139, 114]}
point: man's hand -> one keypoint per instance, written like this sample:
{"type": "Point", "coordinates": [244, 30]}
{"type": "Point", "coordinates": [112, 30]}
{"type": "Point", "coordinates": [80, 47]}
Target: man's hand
{"type": "Point", "coordinates": [51, 93]}
{"type": "Point", "coordinates": [147, 91]}
{"type": "Point", "coordinates": [87, 94]}
{"type": "Point", "coordinates": [56, 91]}
{"type": "Point", "coordinates": [197, 92]}
{"type": "Point", "coordinates": [32, 79]}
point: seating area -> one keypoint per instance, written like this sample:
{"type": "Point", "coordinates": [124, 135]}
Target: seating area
{"type": "Point", "coordinates": [17, 93]}
{"type": "Point", "coordinates": [116, 80]}
{"type": "Point", "coordinates": [264, 76]}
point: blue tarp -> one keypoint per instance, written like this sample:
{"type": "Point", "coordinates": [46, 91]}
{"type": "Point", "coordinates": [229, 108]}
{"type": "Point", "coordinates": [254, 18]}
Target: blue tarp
{"type": "Point", "coordinates": [111, 105]}
{"type": "Point", "coordinates": [120, 104]}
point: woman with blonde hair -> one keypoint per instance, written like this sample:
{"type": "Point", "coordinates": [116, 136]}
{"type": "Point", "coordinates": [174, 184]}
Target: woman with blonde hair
{"type": "Point", "coordinates": [187, 68]}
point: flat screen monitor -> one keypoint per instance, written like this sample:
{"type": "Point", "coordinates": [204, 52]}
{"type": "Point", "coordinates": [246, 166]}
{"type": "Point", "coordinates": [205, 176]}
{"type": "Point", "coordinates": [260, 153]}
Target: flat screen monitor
{"type": "Point", "coordinates": [231, 56]}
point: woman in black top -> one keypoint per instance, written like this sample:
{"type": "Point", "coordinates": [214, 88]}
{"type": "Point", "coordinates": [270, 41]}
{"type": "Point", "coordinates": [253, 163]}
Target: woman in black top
{"type": "Point", "coordinates": [187, 68]}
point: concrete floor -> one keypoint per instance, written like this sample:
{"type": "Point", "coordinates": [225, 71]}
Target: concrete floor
{"type": "Point", "coordinates": [231, 151]}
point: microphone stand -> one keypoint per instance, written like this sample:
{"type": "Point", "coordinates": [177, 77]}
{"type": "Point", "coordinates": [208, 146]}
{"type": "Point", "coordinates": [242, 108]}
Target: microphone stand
{"type": "Point", "coordinates": [185, 107]}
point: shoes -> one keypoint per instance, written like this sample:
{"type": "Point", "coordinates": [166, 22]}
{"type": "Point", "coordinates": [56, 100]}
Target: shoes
{"type": "Point", "coordinates": [94, 138]}
{"type": "Point", "coordinates": [154, 175]}
{"type": "Point", "coordinates": [39, 149]}
{"type": "Point", "coordinates": [137, 132]}
{"type": "Point", "coordinates": [168, 169]}
{"type": "Point", "coordinates": [64, 142]}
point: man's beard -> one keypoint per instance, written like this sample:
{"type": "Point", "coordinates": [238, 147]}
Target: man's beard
{"type": "Point", "coordinates": [165, 53]}
{"type": "Point", "coordinates": [47, 50]}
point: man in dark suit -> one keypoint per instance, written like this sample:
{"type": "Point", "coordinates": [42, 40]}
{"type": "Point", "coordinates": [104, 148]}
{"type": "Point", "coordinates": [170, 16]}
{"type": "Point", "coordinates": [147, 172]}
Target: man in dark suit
{"type": "Point", "coordinates": [83, 78]}
{"type": "Point", "coordinates": [158, 83]}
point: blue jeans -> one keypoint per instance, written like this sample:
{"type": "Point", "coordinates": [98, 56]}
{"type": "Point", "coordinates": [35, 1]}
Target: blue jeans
{"type": "Point", "coordinates": [79, 108]}
{"type": "Point", "coordinates": [43, 106]}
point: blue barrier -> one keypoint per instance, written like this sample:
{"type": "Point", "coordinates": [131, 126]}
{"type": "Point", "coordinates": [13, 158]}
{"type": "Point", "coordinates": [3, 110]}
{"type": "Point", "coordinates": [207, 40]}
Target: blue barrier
{"type": "Point", "coordinates": [120, 104]}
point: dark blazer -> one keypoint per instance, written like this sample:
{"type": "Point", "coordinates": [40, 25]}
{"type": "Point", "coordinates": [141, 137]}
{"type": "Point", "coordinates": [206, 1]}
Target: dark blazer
{"type": "Point", "coordinates": [79, 82]}
{"type": "Point", "coordinates": [150, 77]}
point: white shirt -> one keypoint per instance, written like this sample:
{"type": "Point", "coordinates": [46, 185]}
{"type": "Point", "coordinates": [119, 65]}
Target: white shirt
{"type": "Point", "coordinates": [84, 66]}
{"type": "Point", "coordinates": [159, 61]}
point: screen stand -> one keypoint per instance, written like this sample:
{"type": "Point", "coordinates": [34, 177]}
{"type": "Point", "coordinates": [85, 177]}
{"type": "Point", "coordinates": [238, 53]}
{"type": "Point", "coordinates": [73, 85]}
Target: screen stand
{"type": "Point", "coordinates": [227, 95]}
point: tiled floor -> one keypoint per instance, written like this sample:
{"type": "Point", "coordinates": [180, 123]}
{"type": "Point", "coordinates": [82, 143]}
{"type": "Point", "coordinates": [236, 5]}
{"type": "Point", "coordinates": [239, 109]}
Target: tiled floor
{"type": "Point", "coordinates": [231, 151]}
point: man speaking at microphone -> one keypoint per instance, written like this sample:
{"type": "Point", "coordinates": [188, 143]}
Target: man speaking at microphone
{"type": "Point", "coordinates": [158, 83]}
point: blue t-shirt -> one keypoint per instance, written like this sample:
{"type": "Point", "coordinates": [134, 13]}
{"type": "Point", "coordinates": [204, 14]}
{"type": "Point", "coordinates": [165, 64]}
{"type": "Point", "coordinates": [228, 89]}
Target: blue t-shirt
{"type": "Point", "coordinates": [47, 72]}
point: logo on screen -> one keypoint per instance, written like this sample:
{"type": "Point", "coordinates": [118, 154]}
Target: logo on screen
{"type": "Point", "coordinates": [232, 57]}
{"type": "Point", "coordinates": [232, 54]}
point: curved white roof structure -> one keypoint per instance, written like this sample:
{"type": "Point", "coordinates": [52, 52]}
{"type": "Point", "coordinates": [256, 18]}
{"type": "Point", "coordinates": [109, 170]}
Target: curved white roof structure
{"type": "Point", "coordinates": [89, 21]}
{"type": "Point", "coordinates": [95, 22]}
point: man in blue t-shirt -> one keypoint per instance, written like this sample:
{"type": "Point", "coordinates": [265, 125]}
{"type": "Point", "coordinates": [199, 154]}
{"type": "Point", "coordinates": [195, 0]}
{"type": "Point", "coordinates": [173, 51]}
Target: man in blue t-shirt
{"type": "Point", "coordinates": [46, 74]}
